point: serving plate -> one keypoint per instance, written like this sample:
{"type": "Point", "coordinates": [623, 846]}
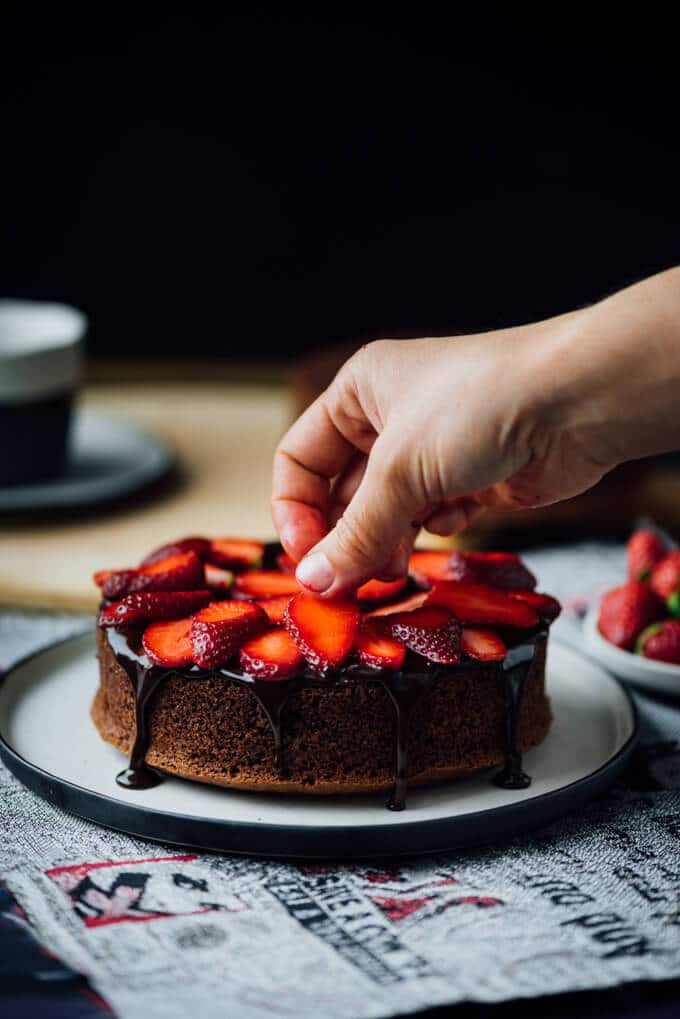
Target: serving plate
{"type": "Point", "coordinates": [660, 677]}
{"type": "Point", "coordinates": [49, 742]}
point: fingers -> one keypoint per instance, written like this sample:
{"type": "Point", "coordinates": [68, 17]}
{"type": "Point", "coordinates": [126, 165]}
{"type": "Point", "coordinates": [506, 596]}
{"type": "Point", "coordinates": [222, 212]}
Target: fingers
{"type": "Point", "coordinates": [364, 539]}
{"type": "Point", "coordinates": [344, 488]}
{"type": "Point", "coordinates": [453, 516]}
{"type": "Point", "coordinates": [311, 453]}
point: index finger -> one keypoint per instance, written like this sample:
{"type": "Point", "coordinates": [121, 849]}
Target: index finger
{"type": "Point", "coordinates": [309, 456]}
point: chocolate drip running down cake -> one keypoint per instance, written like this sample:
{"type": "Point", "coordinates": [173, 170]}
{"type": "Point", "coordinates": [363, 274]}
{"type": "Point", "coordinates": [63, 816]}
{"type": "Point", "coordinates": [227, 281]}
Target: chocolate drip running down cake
{"type": "Point", "coordinates": [215, 667]}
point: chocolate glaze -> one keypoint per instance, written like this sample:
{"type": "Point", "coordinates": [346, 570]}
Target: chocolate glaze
{"type": "Point", "coordinates": [405, 690]}
{"type": "Point", "coordinates": [145, 679]}
{"type": "Point", "coordinates": [515, 672]}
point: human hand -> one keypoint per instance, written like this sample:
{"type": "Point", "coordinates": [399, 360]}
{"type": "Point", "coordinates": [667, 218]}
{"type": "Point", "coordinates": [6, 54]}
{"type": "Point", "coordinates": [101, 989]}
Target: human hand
{"type": "Point", "coordinates": [430, 432]}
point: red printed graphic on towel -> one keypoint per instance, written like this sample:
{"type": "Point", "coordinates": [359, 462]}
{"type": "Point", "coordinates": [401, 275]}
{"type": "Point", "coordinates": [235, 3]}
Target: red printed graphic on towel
{"type": "Point", "coordinates": [358, 913]}
{"type": "Point", "coordinates": [433, 897]}
{"type": "Point", "coordinates": [135, 891]}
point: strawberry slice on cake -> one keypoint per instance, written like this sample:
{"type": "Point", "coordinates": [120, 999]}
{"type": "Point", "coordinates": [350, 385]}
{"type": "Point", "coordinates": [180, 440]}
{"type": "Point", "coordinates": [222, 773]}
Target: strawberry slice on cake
{"type": "Point", "coordinates": [219, 630]}
{"type": "Point", "coordinates": [324, 631]}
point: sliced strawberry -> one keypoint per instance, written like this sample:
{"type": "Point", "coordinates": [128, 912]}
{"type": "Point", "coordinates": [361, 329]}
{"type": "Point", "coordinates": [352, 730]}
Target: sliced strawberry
{"type": "Point", "coordinates": [428, 567]}
{"type": "Point", "coordinates": [235, 552]}
{"type": "Point", "coordinates": [431, 631]}
{"type": "Point", "coordinates": [216, 578]}
{"type": "Point", "coordinates": [484, 645]}
{"type": "Point", "coordinates": [182, 565]}
{"type": "Point", "coordinates": [497, 569]}
{"type": "Point", "coordinates": [219, 630]}
{"type": "Point", "coordinates": [286, 563]}
{"type": "Point", "coordinates": [380, 590]}
{"type": "Point", "coordinates": [545, 605]}
{"type": "Point", "coordinates": [201, 546]}
{"type": "Point", "coordinates": [115, 583]}
{"type": "Point", "coordinates": [626, 611]}
{"type": "Point", "coordinates": [146, 606]}
{"type": "Point", "coordinates": [182, 571]}
{"type": "Point", "coordinates": [413, 601]}
{"type": "Point", "coordinates": [643, 551]}
{"type": "Point", "coordinates": [169, 644]}
{"type": "Point", "coordinates": [265, 584]}
{"type": "Point", "coordinates": [272, 655]}
{"type": "Point", "coordinates": [323, 630]}
{"type": "Point", "coordinates": [275, 608]}
{"type": "Point", "coordinates": [475, 603]}
{"type": "Point", "coordinates": [377, 649]}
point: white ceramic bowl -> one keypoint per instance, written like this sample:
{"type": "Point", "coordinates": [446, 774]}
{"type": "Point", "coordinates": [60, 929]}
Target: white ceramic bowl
{"type": "Point", "coordinates": [661, 677]}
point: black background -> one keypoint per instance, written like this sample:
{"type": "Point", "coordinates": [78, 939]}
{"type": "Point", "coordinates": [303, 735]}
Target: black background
{"type": "Point", "coordinates": [255, 185]}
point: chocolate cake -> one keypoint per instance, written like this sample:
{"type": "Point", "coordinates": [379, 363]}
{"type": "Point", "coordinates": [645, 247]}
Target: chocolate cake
{"type": "Point", "coordinates": [422, 690]}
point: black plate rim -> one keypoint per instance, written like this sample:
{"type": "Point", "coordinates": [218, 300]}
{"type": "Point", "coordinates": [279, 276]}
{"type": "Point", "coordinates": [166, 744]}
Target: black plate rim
{"type": "Point", "coordinates": [277, 841]}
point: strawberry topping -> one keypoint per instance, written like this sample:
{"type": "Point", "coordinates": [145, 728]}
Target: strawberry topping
{"type": "Point", "coordinates": [201, 546]}
{"type": "Point", "coordinates": [219, 630]}
{"type": "Point", "coordinates": [413, 601]}
{"type": "Point", "coordinates": [145, 606]}
{"type": "Point", "coordinates": [484, 645]}
{"type": "Point", "coordinates": [272, 655]}
{"type": "Point", "coordinates": [235, 552]}
{"type": "Point", "coordinates": [545, 605]}
{"type": "Point", "coordinates": [475, 603]}
{"type": "Point", "coordinates": [380, 590]}
{"type": "Point", "coordinates": [323, 630]}
{"type": "Point", "coordinates": [496, 569]}
{"type": "Point", "coordinates": [431, 631]}
{"type": "Point", "coordinates": [377, 649]}
{"type": "Point", "coordinates": [181, 571]}
{"type": "Point", "coordinates": [169, 643]}
{"type": "Point", "coordinates": [265, 584]}
{"type": "Point", "coordinates": [428, 567]}
{"type": "Point", "coordinates": [286, 563]}
{"type": "Point", "coordinates": [275, 608]}
{"type": "Point", "coordinates": [217, 578]}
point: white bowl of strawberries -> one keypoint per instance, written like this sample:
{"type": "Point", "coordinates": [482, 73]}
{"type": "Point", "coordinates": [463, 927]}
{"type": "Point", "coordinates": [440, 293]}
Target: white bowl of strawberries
{"type": "Point", "coordinates": [634, 630]}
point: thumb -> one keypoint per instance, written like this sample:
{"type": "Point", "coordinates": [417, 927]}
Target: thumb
{"type": "Point", "coordinates": [369, 531]}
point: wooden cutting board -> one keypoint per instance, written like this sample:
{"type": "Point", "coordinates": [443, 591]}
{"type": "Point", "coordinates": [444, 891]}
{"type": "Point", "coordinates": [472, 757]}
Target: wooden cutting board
{"type": "Point", "coordinates": [224, 436]}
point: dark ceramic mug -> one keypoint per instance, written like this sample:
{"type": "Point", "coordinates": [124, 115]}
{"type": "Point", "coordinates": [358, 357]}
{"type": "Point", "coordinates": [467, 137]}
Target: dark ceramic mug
{"type": "Point", "coordinates": [41, 352]}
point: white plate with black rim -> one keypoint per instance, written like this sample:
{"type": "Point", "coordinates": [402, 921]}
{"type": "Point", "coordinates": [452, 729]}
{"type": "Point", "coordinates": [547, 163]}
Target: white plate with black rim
{"type": "Point", "coordinates": [108, 458]}
{"type": "Point", "coordinates": [49, 742]}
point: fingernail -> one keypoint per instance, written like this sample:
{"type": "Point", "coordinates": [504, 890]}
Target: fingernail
{"type": "Point", "coordinates": [315, 572]}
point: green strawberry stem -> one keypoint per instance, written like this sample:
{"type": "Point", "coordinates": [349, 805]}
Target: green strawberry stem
{"type": "Point", "coordinates": [649, 631]}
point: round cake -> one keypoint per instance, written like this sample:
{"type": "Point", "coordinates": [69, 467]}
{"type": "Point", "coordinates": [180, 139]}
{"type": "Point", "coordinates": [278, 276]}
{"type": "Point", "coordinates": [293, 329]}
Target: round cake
{"type": "Point", "coordinates": [215, 667]}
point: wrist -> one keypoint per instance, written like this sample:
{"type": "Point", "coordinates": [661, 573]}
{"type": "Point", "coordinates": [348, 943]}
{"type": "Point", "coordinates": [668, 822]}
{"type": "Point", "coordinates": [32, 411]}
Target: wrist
{"type": "Point", "coordinates": [609, 374]}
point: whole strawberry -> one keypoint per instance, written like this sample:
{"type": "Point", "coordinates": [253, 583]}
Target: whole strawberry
{"type": "Point", "coordinates": [665, 581]}
{"type": "Point", "coordinates": [644, 550]}
{"type": "Point", "coordinates": [661, 641]}
{"type": "Point", "coordinates": [626, 611]}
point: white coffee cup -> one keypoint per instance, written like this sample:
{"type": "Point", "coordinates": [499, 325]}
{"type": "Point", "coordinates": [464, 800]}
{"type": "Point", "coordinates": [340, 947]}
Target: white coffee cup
{"type": "Point", "coordinates": [41, 355]}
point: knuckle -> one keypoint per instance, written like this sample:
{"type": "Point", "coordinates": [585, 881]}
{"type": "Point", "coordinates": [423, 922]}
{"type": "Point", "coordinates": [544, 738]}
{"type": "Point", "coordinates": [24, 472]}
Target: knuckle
{"type": "Point", "coordinates": [354, 540]}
